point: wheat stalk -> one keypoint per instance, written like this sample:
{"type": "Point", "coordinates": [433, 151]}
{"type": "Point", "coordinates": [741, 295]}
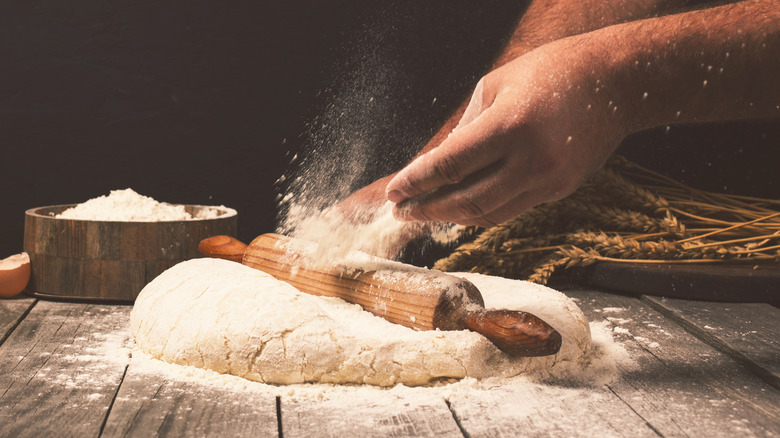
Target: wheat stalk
{"type": "Point", "coordinates": [624, 214]}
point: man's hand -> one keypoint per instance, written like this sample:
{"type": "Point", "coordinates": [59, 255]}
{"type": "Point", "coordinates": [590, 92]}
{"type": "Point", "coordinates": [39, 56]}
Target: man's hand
{"type": "Point", "coordinates": [534, 130]}
{"type": "Point", "coordinates": [543, 22]}
{"type": "Point", "coordinates": [539, 125]}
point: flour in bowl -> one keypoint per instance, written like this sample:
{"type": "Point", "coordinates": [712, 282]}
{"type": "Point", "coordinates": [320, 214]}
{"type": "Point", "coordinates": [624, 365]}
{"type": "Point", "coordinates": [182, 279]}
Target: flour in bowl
{"type": "Point", "coordinates": [128, 206]}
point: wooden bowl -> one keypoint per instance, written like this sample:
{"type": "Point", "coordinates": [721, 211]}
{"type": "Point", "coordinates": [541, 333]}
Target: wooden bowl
{"type": "Point", "coordinates": [110, 260]}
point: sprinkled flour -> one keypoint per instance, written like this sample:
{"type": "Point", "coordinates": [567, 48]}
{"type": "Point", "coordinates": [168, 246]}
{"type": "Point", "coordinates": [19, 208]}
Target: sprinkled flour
{"type": "Point", "coordinates": [112, 348]}
{"type": "Point", "coordinates": [128, 206]}
{"type": "Point", "coordinates": [599, 366]}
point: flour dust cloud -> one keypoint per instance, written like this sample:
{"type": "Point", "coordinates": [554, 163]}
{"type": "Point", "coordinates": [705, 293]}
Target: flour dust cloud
{"type": "Point", "coordinates": [357, 138]}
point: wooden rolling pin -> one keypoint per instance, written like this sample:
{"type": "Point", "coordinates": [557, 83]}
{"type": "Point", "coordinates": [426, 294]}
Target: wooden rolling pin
{"type": "Point", "coordinates": [413, 297]}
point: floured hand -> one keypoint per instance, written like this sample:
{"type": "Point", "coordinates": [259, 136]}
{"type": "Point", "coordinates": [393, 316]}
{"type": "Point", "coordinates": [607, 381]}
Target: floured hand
{"type": "Point", "coordinates": [534, 130]}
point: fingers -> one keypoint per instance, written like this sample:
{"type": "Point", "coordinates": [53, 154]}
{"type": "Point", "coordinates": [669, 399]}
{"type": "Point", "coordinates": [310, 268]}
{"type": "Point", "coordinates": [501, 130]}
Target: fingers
{"type": "Point", "coordinates": [475, 196]}
{"type": "Point", "coordinates": [362, 205]}
{"type": "Point", "coordinates": [468, 207]}
{"type": "Point", "coordinates": [510, 210]}
{"type": "Point", "coordinates": [466, 151]}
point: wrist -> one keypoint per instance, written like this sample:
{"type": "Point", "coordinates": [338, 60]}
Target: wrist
{"type": "Point", "coordinates": [593, 70]}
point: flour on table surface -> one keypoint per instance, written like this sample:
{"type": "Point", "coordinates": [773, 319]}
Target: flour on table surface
{"type": "Point", "coordinates": [232, 319]}
{"type": "Point", "coordinates": [96, 359]}
{"type": "Point", "coordinates": [128, 206]}
{"type": "Point", "coordinates": [613, 309]}
{"type": "Point", "coordinates": [114, 348]}
{"type": "Point", "coordinates": [598, 366]}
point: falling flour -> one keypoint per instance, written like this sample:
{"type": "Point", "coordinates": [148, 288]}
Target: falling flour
{"type": "Point", "coordinates": [128, 206]}
{"type": "Point", "coordinates": [377, 232]}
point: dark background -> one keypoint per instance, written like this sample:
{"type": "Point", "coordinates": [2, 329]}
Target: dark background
{"type": "Point", "coordinates": [200, 102]}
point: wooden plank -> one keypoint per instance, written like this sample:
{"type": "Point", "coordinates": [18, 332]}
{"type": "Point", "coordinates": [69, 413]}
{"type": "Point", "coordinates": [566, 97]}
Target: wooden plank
{"type": "Point", "coordinates": [753, 282]}
{"type": "Point", "coordinates": [749, 332]}
{"type": "Point", "coordinates": [531, 409]}
{"type": "Point", "coordinates": [681, 386]}
{"type": "Point", "coordinates": [381, 414]}
{"type": "Point", "coordinates": [154, 404]}
{"type": "Point", "coordinates": [11, 313]}
{"type": "Point", "coordinates": [60, 369]}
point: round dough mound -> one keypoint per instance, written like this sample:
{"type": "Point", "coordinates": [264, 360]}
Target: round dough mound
{"type": "Point", "coordinates": [229, 318]}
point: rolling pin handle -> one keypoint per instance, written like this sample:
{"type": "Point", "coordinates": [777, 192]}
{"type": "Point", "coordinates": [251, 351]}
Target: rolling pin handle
{"type": "Point", "coordinates": [222, 247]}
{"type": "Point", "coordinates": [517, 333]}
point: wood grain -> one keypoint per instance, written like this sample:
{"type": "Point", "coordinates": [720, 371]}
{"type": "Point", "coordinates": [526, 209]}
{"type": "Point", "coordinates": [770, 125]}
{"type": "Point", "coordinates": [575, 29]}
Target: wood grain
{"type": "Point", "coordinates": [749, 332]}
{"type": "Point", "coordinates": [680, 384]}
{"type": "Point", "coordinates": [109, 260]}
{"type": "Point", "coordinates": [674, 385]}
{"type": "Point", "coordinates": [548, 410]}
{"type": "Point", "coordinates": [153, 404]}
{"type": "Point", "coordinates": [736, 282]}
{"type": "Point", "coordinates": [381, 415]}
{"type": "Point", "coordinates": [405, 298]}
{"type": "Point", "coordinates": [11, 313]}
{"type": "Point", "coordinates": [57, 375]}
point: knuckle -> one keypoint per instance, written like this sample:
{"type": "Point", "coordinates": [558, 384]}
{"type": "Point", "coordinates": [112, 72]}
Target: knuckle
{"type": "Point", "coordinates": [422, 213]}
{"type": "Point", "coordinates": [410, 186]}
{"type": "Point", "coordinates": [448, 169]}
{"type": "Point", "coordinates": [466, 208]}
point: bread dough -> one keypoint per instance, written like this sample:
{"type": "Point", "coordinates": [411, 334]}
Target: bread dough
{"type": "Point", "coordinates": [230, 318]}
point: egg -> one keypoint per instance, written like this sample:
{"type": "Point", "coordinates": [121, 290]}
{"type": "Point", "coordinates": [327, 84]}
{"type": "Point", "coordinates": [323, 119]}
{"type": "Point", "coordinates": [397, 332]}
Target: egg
{"type": "Point", "coordinates": [14, 274]}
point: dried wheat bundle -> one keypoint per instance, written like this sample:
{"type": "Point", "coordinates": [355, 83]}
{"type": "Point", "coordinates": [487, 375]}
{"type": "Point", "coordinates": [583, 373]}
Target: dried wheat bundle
{"type": "Point", "coordinates": [624, 213]}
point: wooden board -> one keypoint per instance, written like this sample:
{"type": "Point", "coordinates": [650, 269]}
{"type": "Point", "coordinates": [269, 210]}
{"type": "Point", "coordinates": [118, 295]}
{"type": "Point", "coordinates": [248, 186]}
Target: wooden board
{"type": "Point", "coordinates": [58, 374]}
{"type": "Point", "coordinates": [11, 313]}
{"type": "Point", "coordinates": [713, 282]}
{"type": "Point", "coordinates": [58, 378]}
{"type": "Point", "coordinates": [384, 414]}
{"type": "Point", "coordinates": [548, 410]}
{"type": "Point", "coordinates": [749, 332]}
{"type": "Point", "coordinates": [681, 385]}
{"type": "Point", "coordinates": [153, 404]}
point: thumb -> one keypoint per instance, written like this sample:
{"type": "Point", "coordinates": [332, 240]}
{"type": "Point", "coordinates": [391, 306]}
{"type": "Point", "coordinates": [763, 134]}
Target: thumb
{"type": "Point", "coordinates": [481, 99]}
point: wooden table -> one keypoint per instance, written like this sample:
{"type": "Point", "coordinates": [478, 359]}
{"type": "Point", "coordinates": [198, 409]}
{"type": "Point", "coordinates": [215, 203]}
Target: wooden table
{"type": "Point", "coordinates": [704, 369]}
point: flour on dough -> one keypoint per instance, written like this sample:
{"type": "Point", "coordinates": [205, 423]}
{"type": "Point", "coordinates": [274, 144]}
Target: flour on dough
{"type": "Point", "coordinates": [230, 318]}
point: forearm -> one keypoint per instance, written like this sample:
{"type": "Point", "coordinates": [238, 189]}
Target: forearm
{"type": "Point", "coordinates": [581, 24]}
{"type": "Point", "coordinates": [546, 21]}
{"type": "Point", "coordinates": [541, 124]}
{"type": "Point", "coordinates": [714, 64]}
